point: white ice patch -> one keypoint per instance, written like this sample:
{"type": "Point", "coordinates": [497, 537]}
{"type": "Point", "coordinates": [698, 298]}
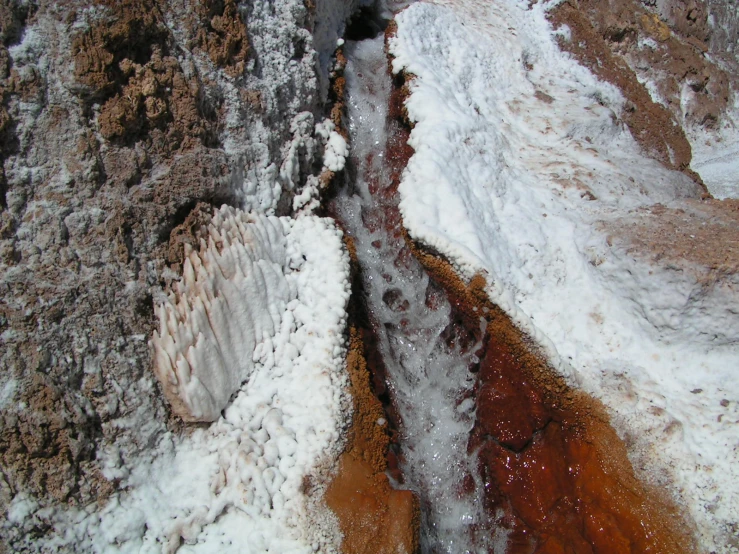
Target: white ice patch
{"type": "Point", "coordinates": [231, 297]}
{"type": "Point", "coordinates": [238, 484]}
{"type": "Point", "coordinates": [519, 151]}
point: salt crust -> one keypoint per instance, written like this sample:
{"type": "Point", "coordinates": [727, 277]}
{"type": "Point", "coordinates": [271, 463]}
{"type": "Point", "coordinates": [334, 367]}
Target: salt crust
{"type": "Point", "coordinates": [277, 287]}
{"type": "Point", "coordinates": [213, 488]}
{"type": "Point", "coordinates": [519, 152]}
{"type": "Point", "coordinates": [231, 296]}
{"type": "Point", "coordinates": [715, 153]}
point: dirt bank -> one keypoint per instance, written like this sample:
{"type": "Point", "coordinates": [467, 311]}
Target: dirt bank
{"type": "Point", "coordinates": [374, 517]}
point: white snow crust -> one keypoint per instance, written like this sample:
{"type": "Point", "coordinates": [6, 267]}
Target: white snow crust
{"type": "Point", "coordinates": [521, 164]}
{"type": "Point", "coordinates": [264, 302]}
{"type": "Point", "coordinates": [716, 155]}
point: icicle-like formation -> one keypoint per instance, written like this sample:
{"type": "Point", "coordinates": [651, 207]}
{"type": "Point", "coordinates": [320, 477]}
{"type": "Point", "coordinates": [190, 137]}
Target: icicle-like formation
{"type": "Point", "coordinates": [263, 302]}
{"type": "Point", "coordinates": [428, 380]}
{"type": "Point", "coordinates": [231, 297]}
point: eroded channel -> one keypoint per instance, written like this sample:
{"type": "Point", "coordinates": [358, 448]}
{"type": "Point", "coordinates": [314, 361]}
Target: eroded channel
{"type": "Point", "coordinates": [427, 367]}
{"type": "Point", "coordinates": [502, 455]}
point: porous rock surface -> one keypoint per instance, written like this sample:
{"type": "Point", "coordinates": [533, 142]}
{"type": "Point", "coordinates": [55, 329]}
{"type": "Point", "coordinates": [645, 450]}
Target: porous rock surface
{"type": "Point", "coordinates": [673, 60]}
{"type": "Point", "coordinates": [121, 122]}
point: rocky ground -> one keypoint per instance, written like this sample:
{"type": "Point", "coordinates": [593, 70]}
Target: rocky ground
{"type": "Point", "coordinates": [123, 123]}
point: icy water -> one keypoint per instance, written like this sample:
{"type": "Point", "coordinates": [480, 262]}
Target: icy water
{"type": "Point", "coordinates": [429, 382]}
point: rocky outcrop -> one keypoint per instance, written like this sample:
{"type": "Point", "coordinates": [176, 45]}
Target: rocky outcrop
{"type": "Point", "coordinates": [118, 120]}
{"type": "Point", "coordinates": [671, 60]}
{"type": "Point", "coordinates": [653, 126]}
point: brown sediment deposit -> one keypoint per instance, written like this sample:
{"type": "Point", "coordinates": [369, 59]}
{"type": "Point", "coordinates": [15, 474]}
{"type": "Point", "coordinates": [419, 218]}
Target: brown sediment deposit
{"type": "Point", "coordinates": [374, 518]}
{"type": "Point", "coordinates": [222, 34]}
{"type": "Point", "coordinates": [337, 93]}
{"type": "Point", "coordinates": [552, 467]}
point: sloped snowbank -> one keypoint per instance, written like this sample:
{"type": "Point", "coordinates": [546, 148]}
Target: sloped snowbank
{"type": "Point", "coordinates": [716, 157]}
{"type": "Point", "coordinates": [265, 300]}
{"type": "Point", "coordinates": [521, 171]}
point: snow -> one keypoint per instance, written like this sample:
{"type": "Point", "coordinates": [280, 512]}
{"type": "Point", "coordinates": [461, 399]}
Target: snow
{"type": "Point", "coordinates": [524, 172]}
{"type": "Point", "coordinates": [716, 156]}
{"type": "Point", "coordinates": [263, 301]}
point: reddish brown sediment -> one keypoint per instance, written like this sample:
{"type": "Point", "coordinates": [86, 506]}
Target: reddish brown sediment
{"type": "Point", "coordinates": [550, 461]}
{"type": "Point", "coordinates": [374, 518]}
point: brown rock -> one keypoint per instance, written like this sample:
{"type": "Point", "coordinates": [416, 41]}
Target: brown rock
{"type": "Point", "coordinates": [651, 125]}
{"type": "Point", "coordinates": [222, 34]}
{"type": "Point", "coordinates": [374, 518]}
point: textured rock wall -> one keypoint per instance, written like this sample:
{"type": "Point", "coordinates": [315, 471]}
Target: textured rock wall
{"type": "Point", "coordinates": [681, 50]}
{"type": "Point", "coordinates": [117, 120]}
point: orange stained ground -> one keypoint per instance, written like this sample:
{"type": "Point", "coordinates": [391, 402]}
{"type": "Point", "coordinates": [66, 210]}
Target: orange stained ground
{"type": "Point", "coordinates": [554, 472]}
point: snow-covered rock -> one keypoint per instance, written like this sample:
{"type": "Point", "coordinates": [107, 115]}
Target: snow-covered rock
{"type": "Point", "coordinates": [524, 172]}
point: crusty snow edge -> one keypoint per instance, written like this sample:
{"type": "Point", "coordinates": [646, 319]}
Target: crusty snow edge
{"type": "Point", "coordinates": [237, 485]}
{"type": "Point", "coordinates": [521, 165]}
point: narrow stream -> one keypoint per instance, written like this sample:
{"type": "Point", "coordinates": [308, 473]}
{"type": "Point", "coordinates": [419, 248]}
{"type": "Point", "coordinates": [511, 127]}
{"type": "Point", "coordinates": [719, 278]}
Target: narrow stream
{"type": "Point", "coordinates": [428, 368]}
{"type": "Point", "coordinates": [501, 456]}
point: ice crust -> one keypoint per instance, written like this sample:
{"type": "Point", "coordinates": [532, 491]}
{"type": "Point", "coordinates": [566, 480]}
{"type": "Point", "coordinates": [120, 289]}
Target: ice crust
{"type": "Point", "coordinates": [521, 161]}
{"type": "Point", "coordinates": [264, 301]}
{"type": "Point", "coordinates": [427, 379]}
{"type": "Point", "coordinates": [231, 297]}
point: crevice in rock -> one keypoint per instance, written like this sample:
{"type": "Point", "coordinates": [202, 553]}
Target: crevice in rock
{"type": "Point", "coordinates": [366, 23]}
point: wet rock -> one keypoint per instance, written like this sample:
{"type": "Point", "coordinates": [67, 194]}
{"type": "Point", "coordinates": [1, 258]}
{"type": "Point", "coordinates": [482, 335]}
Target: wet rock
{"type": "Point", "coordinates": [373, 517]}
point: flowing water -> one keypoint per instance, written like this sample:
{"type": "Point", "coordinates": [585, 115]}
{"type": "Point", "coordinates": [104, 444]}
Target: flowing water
{"type": "Point", "coordinates": [428, 371]}
{"type": "Point", "coordinates": [531, 474]}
